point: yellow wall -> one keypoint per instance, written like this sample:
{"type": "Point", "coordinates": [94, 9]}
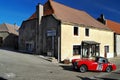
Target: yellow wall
{"type": "Point", "coordinates": [68, 40]}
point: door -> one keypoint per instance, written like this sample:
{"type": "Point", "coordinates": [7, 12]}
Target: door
{"type": "Point", "coordinates": [50, 45]}
{"type": "Point", "coordinates": [1, 41]}
{"type": "Point", "coordinates": [94, 66]}
{"type": "Point", "coordinates": [106, 50]}
{"type": "Point", "coordinates": [90, 48]}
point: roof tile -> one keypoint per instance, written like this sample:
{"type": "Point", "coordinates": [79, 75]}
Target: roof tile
{"type": "Point", "coordinates": [67, 14]}
{"type": "Point", "coordinates": [9, 28]}
{"type": "Point", "coordinates": [114, 26]}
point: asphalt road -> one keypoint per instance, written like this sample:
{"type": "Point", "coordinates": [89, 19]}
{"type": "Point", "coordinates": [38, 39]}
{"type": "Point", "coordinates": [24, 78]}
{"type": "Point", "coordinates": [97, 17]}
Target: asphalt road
{"type": "Point", "coordinates": [20, 66]}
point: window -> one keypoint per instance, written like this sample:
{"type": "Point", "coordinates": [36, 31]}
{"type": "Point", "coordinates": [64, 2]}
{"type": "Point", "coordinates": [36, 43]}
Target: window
{"type": "Point", "coordinates": [76, 49]}
{"type": "Point", "coordinates": [76, 31]}
{"type": "Point", "coordinates": [29, 46]}
{"type": "Point", "coordinates": [106, 49]}
{"type": "Point", "coordinates": [86, 32]}
{"type": "Point", "coordinates": [102, 60]}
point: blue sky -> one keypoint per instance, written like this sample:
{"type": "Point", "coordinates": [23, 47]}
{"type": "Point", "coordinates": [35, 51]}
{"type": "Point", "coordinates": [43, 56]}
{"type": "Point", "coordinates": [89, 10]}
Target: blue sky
{"type": "Point", "coordinates": [16, 11]}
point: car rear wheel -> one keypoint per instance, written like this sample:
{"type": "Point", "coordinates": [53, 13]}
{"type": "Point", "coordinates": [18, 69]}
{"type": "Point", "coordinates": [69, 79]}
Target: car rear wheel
{"type": "Point", "coordinates": [75, 67]}
{"type": "Point", "coordinates": [109, 69]}
{"type": "Point", "coordinates": [83, 68]}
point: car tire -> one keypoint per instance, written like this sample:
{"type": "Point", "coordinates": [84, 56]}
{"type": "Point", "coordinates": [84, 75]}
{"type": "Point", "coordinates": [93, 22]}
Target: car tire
{"type": "Point", "coordinates": [109, 69]}
{"type": "Point", "coordinates": [83, 68]}
{"type": "Point", "coordinates": [74, 67]}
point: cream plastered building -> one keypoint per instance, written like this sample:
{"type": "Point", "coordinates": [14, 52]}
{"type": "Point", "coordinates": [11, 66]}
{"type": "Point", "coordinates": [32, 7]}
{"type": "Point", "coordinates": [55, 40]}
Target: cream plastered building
{"type": "Point", "coordinates": [68, 40]}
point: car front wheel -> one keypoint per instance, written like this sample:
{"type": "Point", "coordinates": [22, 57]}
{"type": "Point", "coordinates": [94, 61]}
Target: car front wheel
{"type": "Point", "coordinates": [83, 68]}
{"type": "Point", "coordinates": [108, 69]}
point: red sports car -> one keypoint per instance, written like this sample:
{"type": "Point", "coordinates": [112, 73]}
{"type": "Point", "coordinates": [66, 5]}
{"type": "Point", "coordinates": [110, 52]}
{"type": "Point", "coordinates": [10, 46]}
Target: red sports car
{"type": "Point", "coordinates": [93, 64]}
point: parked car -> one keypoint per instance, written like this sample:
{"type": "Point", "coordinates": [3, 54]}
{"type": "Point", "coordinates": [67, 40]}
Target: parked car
{"type": "Point", "coordinates": [93, 64]}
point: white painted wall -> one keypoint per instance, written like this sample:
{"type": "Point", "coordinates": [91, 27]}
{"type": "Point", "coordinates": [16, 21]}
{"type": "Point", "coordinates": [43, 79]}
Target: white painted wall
{"type": "Point", "coordinates": [118, 44]}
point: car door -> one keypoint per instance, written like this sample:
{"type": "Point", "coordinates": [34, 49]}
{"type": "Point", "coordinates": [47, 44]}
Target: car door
{"type": "Point", "coordinates": [102, 64]}
{"type": "Point", "coordinates": [105, 64]}
{"type": "Point", "coordinates": [93, 66]}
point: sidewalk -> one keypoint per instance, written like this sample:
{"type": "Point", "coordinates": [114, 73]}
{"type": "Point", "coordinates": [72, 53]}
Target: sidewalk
{"type": "Point", "coordinates": [51, 59]}
{"type": "Point", "coordinates": [116, 61]}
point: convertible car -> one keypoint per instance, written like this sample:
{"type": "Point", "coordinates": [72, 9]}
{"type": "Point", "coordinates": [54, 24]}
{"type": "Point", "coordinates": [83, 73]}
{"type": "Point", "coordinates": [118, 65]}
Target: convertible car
{"type": "Point", "coordinates": [93, 64]}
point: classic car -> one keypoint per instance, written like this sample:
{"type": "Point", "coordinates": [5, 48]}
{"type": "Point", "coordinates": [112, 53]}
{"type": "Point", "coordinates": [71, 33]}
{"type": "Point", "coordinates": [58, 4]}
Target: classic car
{"type": "Point", "coordinates": [93, 64]}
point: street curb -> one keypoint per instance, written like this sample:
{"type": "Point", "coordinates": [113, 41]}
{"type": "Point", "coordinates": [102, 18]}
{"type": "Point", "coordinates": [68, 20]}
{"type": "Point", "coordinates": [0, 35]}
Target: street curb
{"type": "Point", "coordinates": [104, 74]}
{"type": "Point", "coordinates": [45, 58]}
{"type": "Point", "coordinates": [50, 59]}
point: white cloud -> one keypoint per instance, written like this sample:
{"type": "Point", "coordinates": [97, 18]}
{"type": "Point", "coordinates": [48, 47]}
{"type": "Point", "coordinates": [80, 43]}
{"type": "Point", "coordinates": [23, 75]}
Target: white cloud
{"type": "Point", "coordinates": [112, 10]}
{"type": "Point", "coordinates": [107, 8]}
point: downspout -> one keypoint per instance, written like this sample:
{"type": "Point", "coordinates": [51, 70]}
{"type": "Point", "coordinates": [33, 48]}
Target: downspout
{"type": "Point", "coordinates": [59, 42]}
{"type": "Point", "coordinates": [115, 52]}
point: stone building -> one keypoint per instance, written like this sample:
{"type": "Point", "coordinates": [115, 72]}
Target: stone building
{"type": "Point", "coordinates": [8, 36]}
{"type": "Point", "coordinates": [65, 33]}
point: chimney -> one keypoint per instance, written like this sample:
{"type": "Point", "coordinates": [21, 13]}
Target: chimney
{"type": "Point", "coordinates": [39, 11]}
{"type": "Point", "coordinates": [102, 16]}
{"type": "Point", "coordinates": [102, 19]}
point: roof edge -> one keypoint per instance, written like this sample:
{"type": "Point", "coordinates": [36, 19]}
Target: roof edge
{"type": "Point", "coordinates": [83, 25]}
{"type": "Point", "coordinates": [6, 27]}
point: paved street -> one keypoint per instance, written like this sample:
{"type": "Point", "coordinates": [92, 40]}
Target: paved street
{"type": "Point", "coordinates": [18, 66]}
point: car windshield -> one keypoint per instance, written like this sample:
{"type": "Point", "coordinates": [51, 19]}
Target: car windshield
{"type": "Point", "coordinates": [101, 60]}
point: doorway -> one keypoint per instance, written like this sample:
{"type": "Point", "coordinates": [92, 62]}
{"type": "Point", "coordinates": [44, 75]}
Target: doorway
{"type": "Point", "coordinates": [106, 50]}
{"type": "Point", "coordinates": [90, 48]}
{"type": "Point", "coordinates": [1, 41]}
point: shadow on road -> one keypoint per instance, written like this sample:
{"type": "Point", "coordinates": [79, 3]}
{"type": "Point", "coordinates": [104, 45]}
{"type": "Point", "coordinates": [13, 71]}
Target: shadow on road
{"type": "Point", "coordinates": [67, 67]}
{"type": "Point", "coordinates": [116, 72]}
{"type": "Point", "coordinates": [85, 78]}
{"type": "Point", "coordinates": [2, 78]}
{"type": "Point", "coordinates": [8, 49]}
{"type": "Point", "coordinates": [106, 78]}
{"type": "Point", "coordinates": [13, 50]}
{"type": "Point", "coordinates": [96, 78]}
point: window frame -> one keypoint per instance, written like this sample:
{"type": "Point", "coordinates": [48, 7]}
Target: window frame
{"type": "Point", "coordinates": [76, 50]}
{"type": "Point", "coordinates": [107, 49]}
{"type": "Point", "coordinates": [87, 32]}
{"type": "Point", "coordinates": [76, 31]}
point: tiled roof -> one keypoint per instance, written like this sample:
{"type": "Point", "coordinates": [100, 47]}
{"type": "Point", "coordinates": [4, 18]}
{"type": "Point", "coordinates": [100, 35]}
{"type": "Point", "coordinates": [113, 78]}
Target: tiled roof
{"type": "Point", "coordinates": [114, 26]}
{"type": "Point", "coordinates": [71, 15]}
{"type": "Point", "coordinates": [9, 28]}
{"type": "Point", "coordinates": [68, 14]}
{"type": "Point", "coordinates": [33, 16]}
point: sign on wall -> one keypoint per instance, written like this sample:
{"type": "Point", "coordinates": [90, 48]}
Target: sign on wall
{"type": "Point", "coordinates": [51, 33]}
